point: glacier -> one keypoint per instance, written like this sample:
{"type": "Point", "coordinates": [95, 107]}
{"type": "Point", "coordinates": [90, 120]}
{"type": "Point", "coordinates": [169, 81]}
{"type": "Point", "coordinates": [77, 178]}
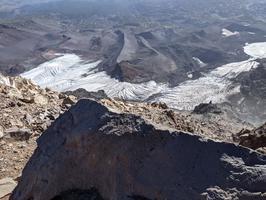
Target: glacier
{"type": "Point", "coordinates": [70, 72]}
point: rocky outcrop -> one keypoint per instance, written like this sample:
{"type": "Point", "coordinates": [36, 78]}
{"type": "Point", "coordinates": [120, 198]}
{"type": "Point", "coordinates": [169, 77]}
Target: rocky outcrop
{"type": "Point", "coordinates": [219, 127]}
{"type": "Point", "coordinates": [121, 156]}
{"type": "Point", "coordinates": [26, 110]}
{"type": "Point", "coordinates": [255, 139]}
{"type": "Point", "coordinates": [82, 93]}
{"type": "Point", "coordinates": [204, 108]}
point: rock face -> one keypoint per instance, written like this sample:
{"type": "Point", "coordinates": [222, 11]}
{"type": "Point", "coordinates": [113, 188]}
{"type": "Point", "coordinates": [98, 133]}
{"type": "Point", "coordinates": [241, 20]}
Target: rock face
{"type": "Point", "coordinates": [251, 102]}
{"type": "Point", "coordinates": [123, 157]}
{"type": "Point", "coordinates": [255, 139]}
{"type": "Point", "coordinates": [218, 127]}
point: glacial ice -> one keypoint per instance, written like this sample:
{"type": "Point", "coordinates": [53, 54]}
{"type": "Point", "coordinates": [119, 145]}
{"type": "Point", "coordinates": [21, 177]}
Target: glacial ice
{"type": "Point", "coordinates": [70, 72]}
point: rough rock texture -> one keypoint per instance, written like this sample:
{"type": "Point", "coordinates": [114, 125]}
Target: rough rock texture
{"type": "Point", "coordinates": [82, 93]}
{"type": "Point", "coordinates": [123, 157]}
{"type": "Point", "coordinates": [207, 108]}
{"type": "Point", "coordinates": [219, 127]}
{"type": "Point", "coordinates": [26, 111]}
{"type": "Point", "coordinates": [255, 139]}
{"type": "Point", "coordinates": [209, 120]}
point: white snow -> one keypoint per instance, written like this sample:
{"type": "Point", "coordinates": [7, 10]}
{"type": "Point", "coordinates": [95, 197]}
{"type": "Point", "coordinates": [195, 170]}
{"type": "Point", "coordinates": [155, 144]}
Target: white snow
{"type": "Point", "coordinates": [201, 64]}
{"type": "Point", "coordinates": [228, 33]}
{"type": "Point", "coordinates": [215, 86]}
{"type": "Point", "coordinates": [70, 72]}
{"type": "Point", "coordinates": [256, 50]}
{"type": "Point", "coordinates": [189, 75]}
{"type": "Point", "coordinates": [4, 80]}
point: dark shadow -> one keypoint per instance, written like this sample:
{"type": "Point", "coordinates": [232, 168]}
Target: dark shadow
{"type": "Point", "coordinates": [76, 194]}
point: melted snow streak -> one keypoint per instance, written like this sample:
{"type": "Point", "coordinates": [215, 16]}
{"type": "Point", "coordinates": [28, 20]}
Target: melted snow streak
{"type": "Point", "coordinates": [70, 72]}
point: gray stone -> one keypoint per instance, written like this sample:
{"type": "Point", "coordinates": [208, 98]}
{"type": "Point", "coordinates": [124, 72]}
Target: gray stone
{"type": "Point", "coordinates": [18, 134]}
{"type": "Point", "coordinates": [123, 157]}
{"type": "Point", "coordinates": [7, 185]}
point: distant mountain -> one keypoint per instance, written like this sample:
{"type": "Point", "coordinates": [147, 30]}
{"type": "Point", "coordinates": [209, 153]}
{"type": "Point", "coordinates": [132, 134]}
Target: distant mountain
{"type": "Point", "coordinates": [142, 50]}
{"type": "Point", "coordinates": [132, 99]}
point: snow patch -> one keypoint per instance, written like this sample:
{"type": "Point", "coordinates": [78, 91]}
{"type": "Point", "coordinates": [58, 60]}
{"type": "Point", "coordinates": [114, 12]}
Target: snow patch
{"type": "Point", "coordinates": [228, 33]}
{"type": "Point", "coordinates": [190, 75]}
{"type": "Point", "coordinates": [256, 50]}
{"type": "Point", "coordinates": [4, 80]}
{"type": "Point", "coordinates": [201, 64]}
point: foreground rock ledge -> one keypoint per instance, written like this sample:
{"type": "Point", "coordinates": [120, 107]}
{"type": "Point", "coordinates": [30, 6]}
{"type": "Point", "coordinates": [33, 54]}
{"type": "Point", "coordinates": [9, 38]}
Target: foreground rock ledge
{"type": "Point", "coordinates": [123, 157]}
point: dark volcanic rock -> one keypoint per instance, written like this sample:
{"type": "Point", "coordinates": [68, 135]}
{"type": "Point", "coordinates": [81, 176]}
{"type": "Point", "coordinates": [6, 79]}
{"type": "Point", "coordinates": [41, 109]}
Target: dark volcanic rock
{"type": "Point", "coordinates": [82, 93]}
{"type": "Point", "coordinates": [254, 139]}
{"type": "Point", "coordinates": [123, 157]}
{"type": "Point", "coordinates": [91, 194]}
{"type": "Point", "coordinates": [204, 108]}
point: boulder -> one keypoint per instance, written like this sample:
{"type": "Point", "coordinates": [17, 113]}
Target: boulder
{"type": "Point", "coordinates": [159, 105]}
{"type": "Point", "coordinates": [18, 134]}
{"type": "Point", "coordinates": [90, 150]}
{"type": "Point", "coordinates": [69, 100]}
{"type": "Point", "coordinates": [40, 99]}
{"type": "Point", "coordinates": [27, 99]}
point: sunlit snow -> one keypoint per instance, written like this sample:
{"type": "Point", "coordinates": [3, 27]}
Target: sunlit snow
{"type": "Point", "coordinates": [70, 72]}
{"type": "Point", "coordinates": [201, 64]}
{"type": "Point", "coordinates": [214, 86]}
{"type": "Point", "coordinates": [228, 33]}
{"type": "Point", "coordinates": [4, 80]}
{"type": "Point", "coordinates": [256, 50]}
